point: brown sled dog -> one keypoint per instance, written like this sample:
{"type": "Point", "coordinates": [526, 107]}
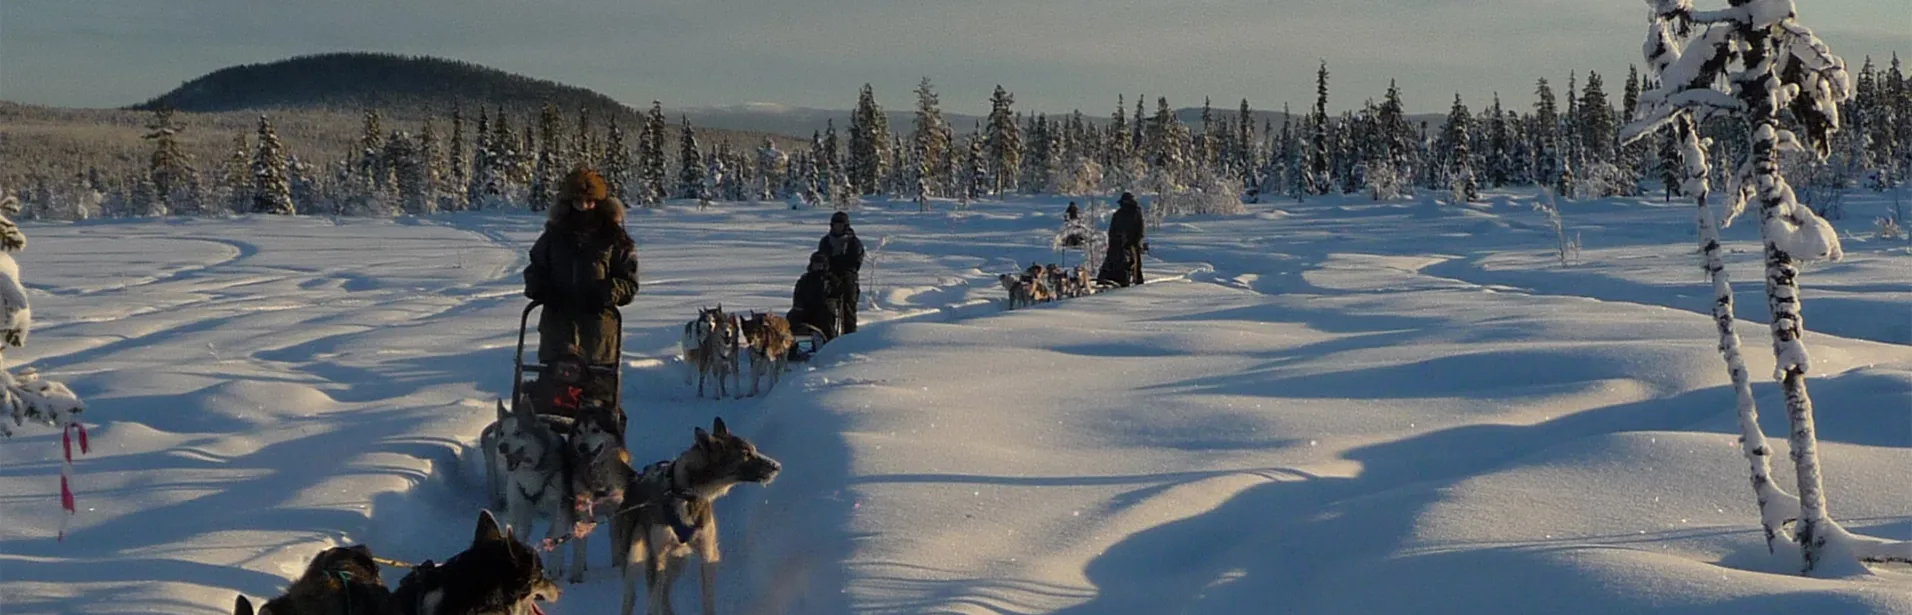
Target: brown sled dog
{"type": "Point", "coordinates": [769, 338]}
{"type": "Point", "coordinates": [339, 581]}
{"type": "Point", "coordinates": [670, 514]}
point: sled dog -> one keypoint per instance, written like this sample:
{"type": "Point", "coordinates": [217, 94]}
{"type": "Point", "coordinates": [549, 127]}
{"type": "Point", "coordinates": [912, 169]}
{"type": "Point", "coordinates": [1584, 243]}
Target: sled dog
{"type": "Point", "coordinates": [339, 581]}
{"type": "Point", "coordinates": [600, 472]}
{"type": "Point", "coordinates": [673, 517]}
{"type": "Point", "coordinates": [769, 338]}
{"type": "Point", "coordinates": [525, 466]}
{"type": "Point", "coordinates": [496, 575]}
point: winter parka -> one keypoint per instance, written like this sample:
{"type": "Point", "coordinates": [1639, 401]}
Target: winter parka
{"type": "Point", "coordinates": [582, 266]}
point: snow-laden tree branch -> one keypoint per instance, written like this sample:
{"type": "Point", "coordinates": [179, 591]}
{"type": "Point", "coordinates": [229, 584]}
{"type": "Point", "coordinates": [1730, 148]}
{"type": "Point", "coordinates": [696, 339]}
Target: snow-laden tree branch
{"type": "Point", "coordinates": [24, 396]}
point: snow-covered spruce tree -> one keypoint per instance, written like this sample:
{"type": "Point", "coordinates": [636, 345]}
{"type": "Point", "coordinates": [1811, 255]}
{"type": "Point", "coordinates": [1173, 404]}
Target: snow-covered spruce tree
{"type": "Point", "coordinates": [550, 168]}
{"type": "Point", "coordinates": [429, 149]}
{"type": "Point", "coordinates": [584, 142]}
{"type": "Point", "coordinates": [1320, 167]}
{"type": "Point", "coordinates": [271, 188]}
{"type": "Point", "coordinates": [458, 172]}
{"type": "Point", "coordinates": [1004, 142]}
{"type": "Point", "coordinates": [930, 140]}
{"type": "Point", "coordinates": [1499, 150]}
{"type": "Point", "coordinates": [772, 167]}
{"type": "Point", "coordinates": [650, 158]}
{"type": "Point", "coordinates": [1767, 61]}
{"type": "Point", "coordinates": [1460, 166]}
{"type": "Point", "coordinates": [616, 164]}
{"type": "Point", "coordinates": [690, 163]}
{"type": "Point", "coordinates": [1545, 136]}
{"type": "Point", "coordinates": [235, 180]}
{"type": "Point", "coordinates": [409, 173]}
{"type": "Point", "coordinates": [869, 144]}
{"type": "Point", "coordinates": [170, 170]}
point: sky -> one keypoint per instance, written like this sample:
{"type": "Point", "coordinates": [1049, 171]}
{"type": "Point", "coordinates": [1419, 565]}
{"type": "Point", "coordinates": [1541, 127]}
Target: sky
{"type": "Point", "coordinates": [1054, 55]}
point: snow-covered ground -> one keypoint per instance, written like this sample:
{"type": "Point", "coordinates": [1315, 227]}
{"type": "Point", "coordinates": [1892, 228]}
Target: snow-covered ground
{"type": "Point", "coordinates": [1328, 407]}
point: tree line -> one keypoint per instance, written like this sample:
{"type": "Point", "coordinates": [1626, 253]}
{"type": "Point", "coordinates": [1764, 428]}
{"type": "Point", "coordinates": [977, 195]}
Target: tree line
{"type": "Point", "coordinates": [1567, 142]}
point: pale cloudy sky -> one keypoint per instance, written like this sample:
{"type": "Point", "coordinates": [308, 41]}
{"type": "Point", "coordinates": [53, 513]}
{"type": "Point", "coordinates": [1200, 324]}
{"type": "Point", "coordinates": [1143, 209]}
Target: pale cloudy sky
{"type": "Point", "coordinates": [1054, 55]}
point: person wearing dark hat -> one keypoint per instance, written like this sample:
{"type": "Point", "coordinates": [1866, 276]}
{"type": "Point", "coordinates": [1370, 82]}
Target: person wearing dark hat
{"type": "Point", "coordinates": [582, 266]}
{"type": "Point", "coordinates": [1123, 265]}
{"type": "Point", "coordinates": [1072, 228]}
{"type": "Point", "coordinates": [813, 302]}
{"type": "Point", "coordinates": [845, 252]}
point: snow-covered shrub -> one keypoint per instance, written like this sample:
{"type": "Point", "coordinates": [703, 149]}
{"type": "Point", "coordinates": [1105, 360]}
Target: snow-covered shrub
{"type": "Point", "coordinates": [1207, 195]}
{"type": "Point", "coordinates": [1565, 247]}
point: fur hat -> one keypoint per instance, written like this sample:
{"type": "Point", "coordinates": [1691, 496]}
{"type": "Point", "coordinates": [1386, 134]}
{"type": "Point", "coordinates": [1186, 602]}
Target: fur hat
{"type": "Point", "coordinates": [820, 258]}
{"type": "Point", "coordinates": [583, 183]}
{"type": "Point", "coordinates": [1127, 200]}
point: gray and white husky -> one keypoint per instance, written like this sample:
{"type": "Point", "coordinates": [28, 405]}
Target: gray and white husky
{"type": "Point", "coordinates": [600, 472]}
{"type": "Point", "coordinates": [525, 470]}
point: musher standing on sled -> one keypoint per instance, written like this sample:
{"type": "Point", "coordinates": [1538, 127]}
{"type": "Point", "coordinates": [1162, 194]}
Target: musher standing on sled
{"type": "Point", "coordinates": [1123, 266]}
{"type": "Point", "coordinates": [845, 252]}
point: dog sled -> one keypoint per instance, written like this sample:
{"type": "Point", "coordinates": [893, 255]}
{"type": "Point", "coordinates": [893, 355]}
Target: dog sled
{"type": "Point", "coordinates": [809, 339]}
{"type": "Point", "coordinates": [607, 378]}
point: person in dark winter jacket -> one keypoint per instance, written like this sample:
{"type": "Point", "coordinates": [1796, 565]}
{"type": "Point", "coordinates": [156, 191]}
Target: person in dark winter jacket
{"type": "Point", "coordinates": [1123, 266]}
{"type": "Point", "coordinates": [846, 265]}
{"type": "Point", "coordinates": [583, 265]}
{"type": "Point", "coordinates": [813, 302]}
{"type": "Point", "coordinates": [1071, 218]}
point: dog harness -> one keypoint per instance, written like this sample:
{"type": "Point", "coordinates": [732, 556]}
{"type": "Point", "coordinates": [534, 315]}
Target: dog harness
{"type": "Point", "coordinates": [679, 526]}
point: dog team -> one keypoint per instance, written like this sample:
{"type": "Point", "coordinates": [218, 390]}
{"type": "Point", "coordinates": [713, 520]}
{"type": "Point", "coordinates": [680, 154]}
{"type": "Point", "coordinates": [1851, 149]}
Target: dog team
{"type": "Point", "coordinates": [557, 453]}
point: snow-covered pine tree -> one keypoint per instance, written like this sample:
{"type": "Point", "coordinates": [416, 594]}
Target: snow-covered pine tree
{"type": "Point", "coordinates": [307, 189]}
{"type": "Point", "coordinates": [690, 162]}
{"type": "Point", "coordinates": [1390, 173]}
{"type": "Point", "coordinates": [869, 144]}
{"type": "Point", "coordinates": [830, 177]}
{"type": "Point", "coordinates": [1454, 139]}
{"type": "Point", "coordinates": [977, 177]}
{"type": "Point", "coordinates": [772, 167]}
{"type": "Point", "coordinates": [433, 167]}
{"type": "Point", "coordinates": [1771, 62]}
{"type": "Point", "coordinates": [1632, 157]}
{"type": "Point", "coordinates": [1499, 147]}
{"type": "Point", "coordinates": [373, 173]}
{"type": "Point", "coordinates": [650, 158]}
{"type": "Point", "coordinates": [1672, 173]}
{"type": "Point", "coordinates": [584, 143]}
{"type": "Point", "coordinates": [616, 164]}
{"type": "Point", "coordinates": [1545, 137]}
{"type": "Point", "coordinates": [930, 140]}
{"type": "Point", "coordinates": [458, 170]}
{"type": "Point", "coordinates": [1595, 122]}
{"type": "Point", "coordinates": [1888, 124]}
{"type": "Point", "coordinates": [1320, 166]}
{"type": "Point", "coordinates": [408, 171]}
{"type": "Point", "coordinates": [235, 180]}
{"type": "Point", "coordinates": [1117, 148]}
{"type": "Point", "coordinates": [1039, 158]}
{"type": "Point", "coordinates": [170, 171]}
{"type": "Point", "coordinates": [1004, 142]}
{"type": "Point", "coordinates": [1206, 149]}
{"type": "Point", "coordinates": [550, 168]}
{"type": "Point", "coordinates": [271, 188]}
{"type": "Point", "coordinates": [1898, 89]}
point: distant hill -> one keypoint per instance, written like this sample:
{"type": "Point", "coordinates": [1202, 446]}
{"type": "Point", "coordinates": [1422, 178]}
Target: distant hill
{"type": "Point", "coordinates": [397, 84]}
